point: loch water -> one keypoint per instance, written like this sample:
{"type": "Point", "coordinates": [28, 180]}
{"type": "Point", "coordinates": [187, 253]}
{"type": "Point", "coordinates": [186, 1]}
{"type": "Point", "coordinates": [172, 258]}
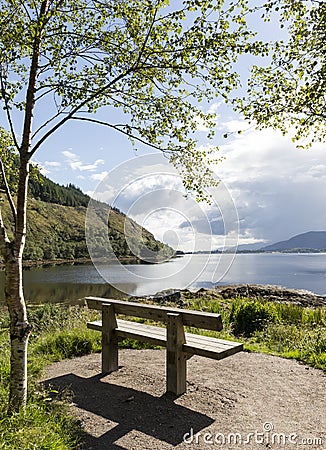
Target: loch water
{"type": "Point", "coordinates": [69, 283]}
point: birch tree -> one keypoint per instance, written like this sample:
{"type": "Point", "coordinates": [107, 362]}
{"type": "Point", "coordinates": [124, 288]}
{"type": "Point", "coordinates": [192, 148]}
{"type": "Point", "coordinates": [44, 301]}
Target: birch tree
{"type": "Point", "coordinates": [289, 93]}
{"type": "Point", "coordinates": [63, 60]}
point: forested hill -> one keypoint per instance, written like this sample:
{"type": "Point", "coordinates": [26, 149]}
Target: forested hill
{"type": "Point", "coordinates": [56, 226]}
{"type": "Point", "coordinates": [42, 188]}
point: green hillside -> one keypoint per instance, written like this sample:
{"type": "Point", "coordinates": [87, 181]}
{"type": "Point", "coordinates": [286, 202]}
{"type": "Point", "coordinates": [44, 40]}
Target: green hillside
{"type": "Point", "coordinates": [56, 226]}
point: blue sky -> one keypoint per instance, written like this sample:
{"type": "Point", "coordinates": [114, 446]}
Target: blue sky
{"type": "Point", "coordinates": [278, 190]}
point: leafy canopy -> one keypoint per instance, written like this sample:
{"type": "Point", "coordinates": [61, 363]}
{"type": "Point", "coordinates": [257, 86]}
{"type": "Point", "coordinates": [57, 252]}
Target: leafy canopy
{"type": "Point", "coordinates": [9, 164]}
{"type": "Point", "coordinates": [290, 92]}
{"type": "Point", "coordinates": [8, 157]}
{"type": "Point", "coordinates": [153, 60]}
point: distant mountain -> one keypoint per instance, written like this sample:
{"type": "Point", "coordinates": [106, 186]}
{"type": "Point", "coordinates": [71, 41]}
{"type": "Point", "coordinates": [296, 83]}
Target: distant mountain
{"type": "Point", "coordinates": [312, 240]}
{"type": "Point", "coordinates": [250, 247]}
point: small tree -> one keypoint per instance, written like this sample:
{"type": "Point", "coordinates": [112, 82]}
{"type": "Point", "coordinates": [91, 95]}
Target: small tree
{"type": "Point", "coordinates": [290, 92]}
{"type": "Point", "coordinates": [63, 60]}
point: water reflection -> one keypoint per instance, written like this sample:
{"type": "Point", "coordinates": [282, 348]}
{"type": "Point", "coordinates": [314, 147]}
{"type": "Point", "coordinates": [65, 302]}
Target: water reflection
{"type": "Point", "coordinates": [64, 284]}
{"type": "Point", "coordinates": [68, 293]}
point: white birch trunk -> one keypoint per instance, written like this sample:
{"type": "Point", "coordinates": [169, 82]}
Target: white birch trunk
{"type": "Point", "coordinates": [19, 327]}
{"type": "Point", "coordinates": [19, 333]}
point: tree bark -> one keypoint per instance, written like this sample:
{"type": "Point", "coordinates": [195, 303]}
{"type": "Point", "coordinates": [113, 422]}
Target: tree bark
{"type": "Point", "coordinates": [19, 327]}
{"type": "Point", "coordinates": [19, 333]}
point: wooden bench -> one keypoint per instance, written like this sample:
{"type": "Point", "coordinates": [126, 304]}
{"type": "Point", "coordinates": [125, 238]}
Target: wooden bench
{"type": "Point", "coordinates": [180, 346]}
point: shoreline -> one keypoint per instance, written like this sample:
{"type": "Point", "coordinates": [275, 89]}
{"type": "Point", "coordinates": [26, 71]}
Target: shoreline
{"type": "Point", "coordinates": [57, 262]}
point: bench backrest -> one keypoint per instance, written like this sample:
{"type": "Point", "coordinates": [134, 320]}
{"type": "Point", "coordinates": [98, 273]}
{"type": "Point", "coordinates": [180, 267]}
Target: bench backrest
{"type": "Point", "coordinates": [198, 319]}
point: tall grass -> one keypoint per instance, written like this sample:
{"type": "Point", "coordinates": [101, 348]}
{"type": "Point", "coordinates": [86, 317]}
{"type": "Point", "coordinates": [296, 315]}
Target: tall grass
{"type": "Point", "coordinates": [42, 425]}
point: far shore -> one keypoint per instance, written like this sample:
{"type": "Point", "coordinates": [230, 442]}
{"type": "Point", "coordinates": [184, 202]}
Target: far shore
{"type": "Point", "coordinates": [54, 262]}
{"type": "Point", "coordinates": [135, 260]}
{"type": "Point", "coordinates": [57, 262]}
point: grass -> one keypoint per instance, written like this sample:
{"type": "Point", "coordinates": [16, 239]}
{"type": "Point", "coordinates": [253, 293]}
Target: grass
{"type": "Point", "coordinates": [59, 332]}
{"type": "Point", "coordinates": [282, 329]}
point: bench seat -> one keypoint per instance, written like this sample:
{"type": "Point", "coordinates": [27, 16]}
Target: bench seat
{"type": "Point", "coordinates": [195, 344]}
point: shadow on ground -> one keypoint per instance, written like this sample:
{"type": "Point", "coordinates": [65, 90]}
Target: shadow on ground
{"type": "Point", "coordinates": [127, 410]}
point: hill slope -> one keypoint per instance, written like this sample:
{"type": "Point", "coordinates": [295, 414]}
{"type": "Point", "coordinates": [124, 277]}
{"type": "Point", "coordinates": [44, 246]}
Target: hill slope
{"type": "Point", "coordinates": [56, 226]}
{"type": "Point", "coordinates": [312, 240]}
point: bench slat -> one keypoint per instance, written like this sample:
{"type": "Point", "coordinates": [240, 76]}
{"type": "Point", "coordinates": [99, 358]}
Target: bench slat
{"type": "Point", "coordinates": [195, 344]}
{"type": "Point", "coordinates": [144, 333]}
{"type": "Point", "coordinates": [222, 342]}
{"type": "Point", "coordinates": [199, 319]}
{"type": "Point", "coordinates": [208, 348]}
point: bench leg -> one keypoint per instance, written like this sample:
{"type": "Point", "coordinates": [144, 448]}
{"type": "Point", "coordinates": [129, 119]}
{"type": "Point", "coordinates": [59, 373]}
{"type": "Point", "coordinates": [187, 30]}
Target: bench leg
{"type": "Point", "coordinates": [109, 340]}
{"type": "Point", "coordinates": [176, 359]}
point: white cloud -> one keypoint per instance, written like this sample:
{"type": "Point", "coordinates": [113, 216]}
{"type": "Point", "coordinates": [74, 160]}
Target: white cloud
{"type": "Point", "coordinates": [52, 164]}
{"type": "Point", "coordinates": [278, 189]}
{"type": "Point", "coordinates": [234, 126]}
{"type": "Point", "coordinates": [214, 107]}
{"type": "Point", "coordinates": [48, 166]}
{"type": "Point", "coordinates": [153, 195]}
{"type": "Point", "coordinates": [104, 196]}
{"type": "Point", "coordinates": [75, 163]}
{"type": "Point", "coordinates": [99, 176]}
{"type": "Point", "coordinates": [70, 155]}
{"type": "Point", "coordinates": [158, 203]}
{"type": "Point", "coordinates": [201, 124]}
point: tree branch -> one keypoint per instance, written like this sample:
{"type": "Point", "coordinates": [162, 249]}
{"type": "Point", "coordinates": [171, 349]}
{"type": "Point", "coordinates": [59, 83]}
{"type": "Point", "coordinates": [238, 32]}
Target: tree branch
{"type": "Point", "coordinates": [30, 95]}
{"type": "Point", "coordinates": [4, 240]}
{"type": "Point", "coordinates": [97, 93]}
{"type": "Point", "coordinates": [117, 128]}
{"type": "Point", "coordinates": [79, 107]}
{"type": "Point", "coordinates": [46, 123]}
{"type": "Point", "coordinates": [7, 190]}
{"type": "Point", "coordinates": [147, 37]}
{"type": "Point", "coordinates": [11, 125]}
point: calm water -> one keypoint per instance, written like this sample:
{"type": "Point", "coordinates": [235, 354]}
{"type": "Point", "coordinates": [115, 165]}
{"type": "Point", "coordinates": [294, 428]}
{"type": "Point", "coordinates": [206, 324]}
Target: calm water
{"type": "Point", "coordinates": [69, 283]}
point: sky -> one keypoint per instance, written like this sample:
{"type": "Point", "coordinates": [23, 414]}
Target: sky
{"type": "Point", "coordinates": [269, 189]}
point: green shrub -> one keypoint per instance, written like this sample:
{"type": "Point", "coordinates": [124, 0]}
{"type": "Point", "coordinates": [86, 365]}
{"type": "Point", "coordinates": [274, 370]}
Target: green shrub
{"type": "Point", "coordinates": [53, 317]}
{"type": "Point", "coordinates": [248, 316]}
{"type": "Point", "coordinates": [293, 341]}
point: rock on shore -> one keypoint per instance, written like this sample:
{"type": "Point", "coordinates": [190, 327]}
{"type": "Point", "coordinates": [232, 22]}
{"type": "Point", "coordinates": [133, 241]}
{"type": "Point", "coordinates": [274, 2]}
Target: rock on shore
{"type": "Point", "coordinates": [272, 293]}
{"type": "Point", "coordinates": [266, 292]}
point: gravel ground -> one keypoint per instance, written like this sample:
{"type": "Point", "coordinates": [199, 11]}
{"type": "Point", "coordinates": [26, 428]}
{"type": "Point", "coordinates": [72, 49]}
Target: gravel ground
{"type": "Point", "coordinates": [270, 402]}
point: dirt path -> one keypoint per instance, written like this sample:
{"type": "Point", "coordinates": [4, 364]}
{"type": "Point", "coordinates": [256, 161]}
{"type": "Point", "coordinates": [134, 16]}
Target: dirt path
{"type": "Point", "coordinates": [272, 398]}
